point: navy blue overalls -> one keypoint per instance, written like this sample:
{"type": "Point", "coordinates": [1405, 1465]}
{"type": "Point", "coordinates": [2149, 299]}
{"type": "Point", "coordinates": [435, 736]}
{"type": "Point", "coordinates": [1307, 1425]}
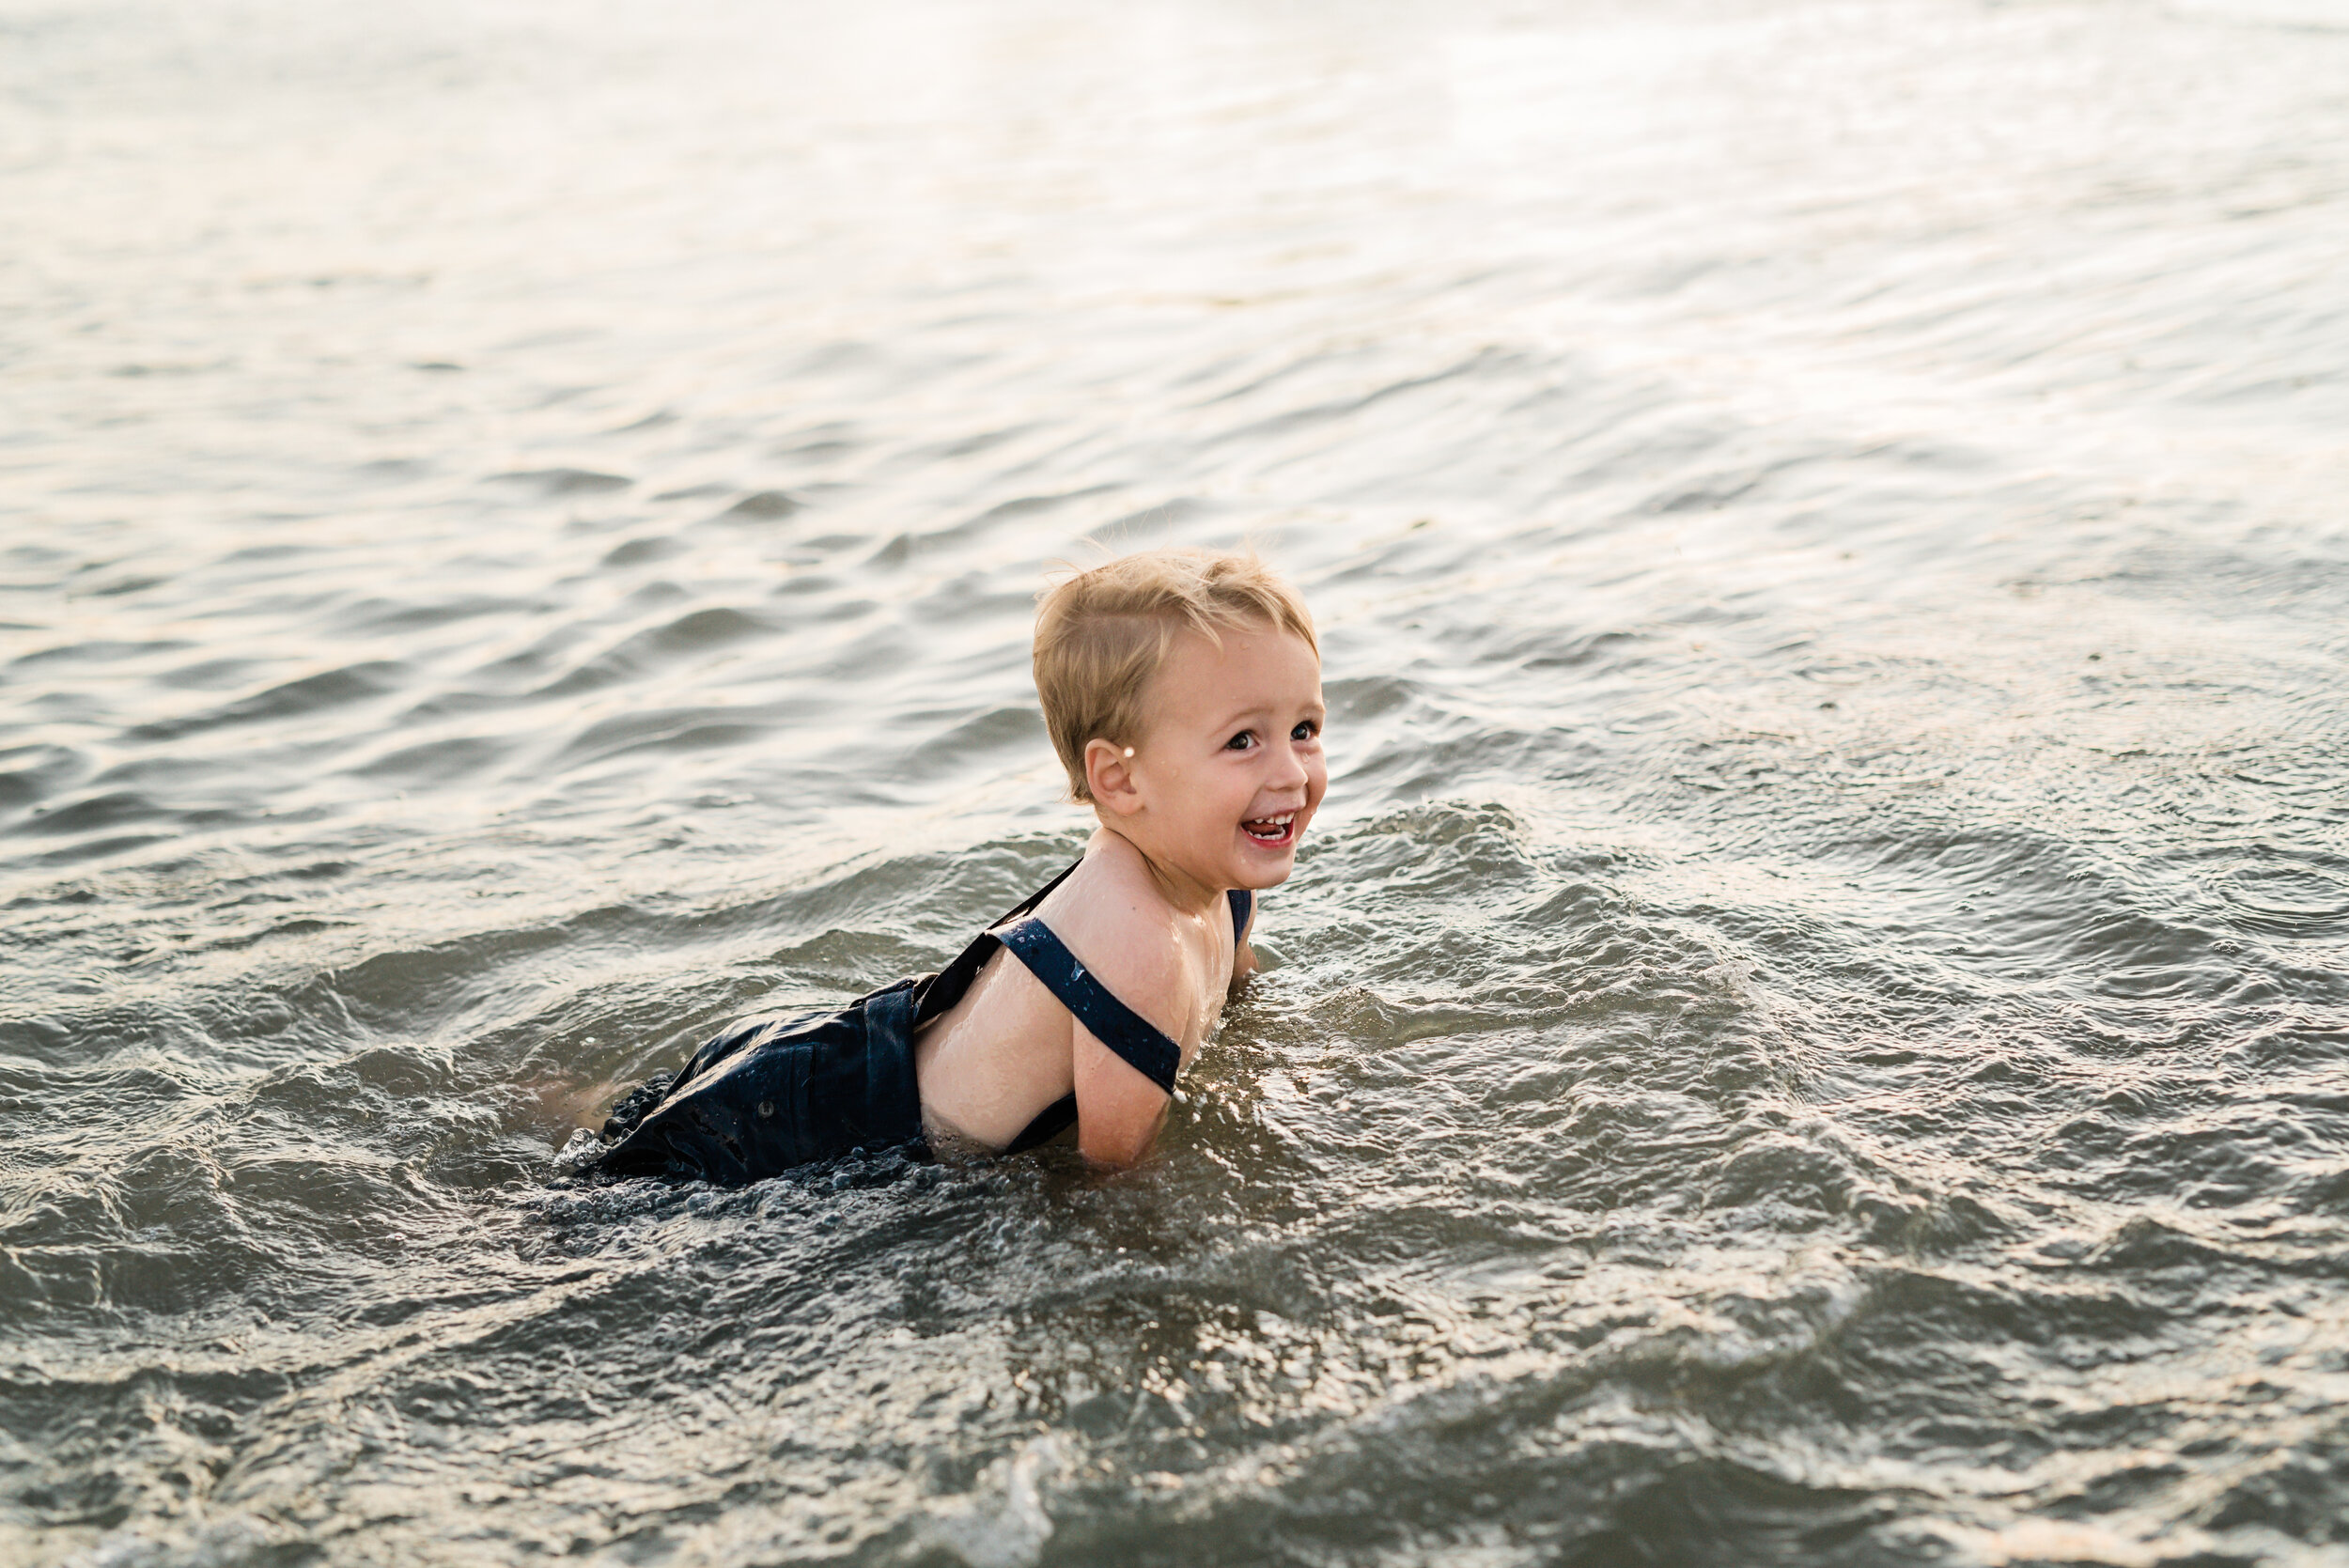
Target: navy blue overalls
{"type": "Point", "coordinates": [769, 1093]}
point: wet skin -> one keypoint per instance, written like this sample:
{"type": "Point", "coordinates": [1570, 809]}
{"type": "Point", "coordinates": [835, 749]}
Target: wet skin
{"type": "Point", "coordinates": [1215, 793]}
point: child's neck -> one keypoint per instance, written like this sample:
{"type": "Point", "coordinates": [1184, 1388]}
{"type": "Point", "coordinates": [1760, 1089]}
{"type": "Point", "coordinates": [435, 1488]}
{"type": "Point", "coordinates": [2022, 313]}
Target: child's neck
{"type": "Point", "coordinates": [1183, 892]}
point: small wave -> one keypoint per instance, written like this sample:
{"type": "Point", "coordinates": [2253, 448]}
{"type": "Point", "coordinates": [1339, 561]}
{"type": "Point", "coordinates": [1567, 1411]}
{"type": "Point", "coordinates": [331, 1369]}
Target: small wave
{"type": "Point", "coordinates": [765, 507]}
{"type": "Point", "coordinates": [329, 689]}
{"type": "Point", "coordinates": [563, 481]}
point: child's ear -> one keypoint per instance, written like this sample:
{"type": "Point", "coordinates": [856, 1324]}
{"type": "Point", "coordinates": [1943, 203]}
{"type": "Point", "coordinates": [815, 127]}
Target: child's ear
{"type": "Point", "coordinates": [1109, 775]}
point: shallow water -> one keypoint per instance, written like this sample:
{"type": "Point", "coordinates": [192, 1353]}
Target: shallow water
{"type": "Point", "coordinates": [1811, 1030]}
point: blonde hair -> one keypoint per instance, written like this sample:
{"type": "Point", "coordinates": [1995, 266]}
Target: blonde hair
{"type": "Point", "coordinates": [1100, 635]}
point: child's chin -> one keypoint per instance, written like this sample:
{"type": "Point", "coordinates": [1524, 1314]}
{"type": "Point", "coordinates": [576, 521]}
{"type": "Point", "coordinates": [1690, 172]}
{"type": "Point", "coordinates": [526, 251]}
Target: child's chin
{"type": "Point", "coordinates": [1266, 865]}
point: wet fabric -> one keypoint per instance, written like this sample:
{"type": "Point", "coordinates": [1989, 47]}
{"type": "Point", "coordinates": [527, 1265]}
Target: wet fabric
{"type": "Point", "coordinates": [768, 1094]}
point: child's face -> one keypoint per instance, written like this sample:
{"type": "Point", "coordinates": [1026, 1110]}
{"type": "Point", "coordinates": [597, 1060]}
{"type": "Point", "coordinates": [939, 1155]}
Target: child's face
{"type": "Point", "coordinates": [1230, 769]}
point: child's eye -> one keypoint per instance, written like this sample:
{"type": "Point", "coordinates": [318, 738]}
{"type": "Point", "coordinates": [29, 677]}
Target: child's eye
{"type": "Point", "coordinates": [1241, 741]}
{"type": "Point", "coordinates": [1306, 729]}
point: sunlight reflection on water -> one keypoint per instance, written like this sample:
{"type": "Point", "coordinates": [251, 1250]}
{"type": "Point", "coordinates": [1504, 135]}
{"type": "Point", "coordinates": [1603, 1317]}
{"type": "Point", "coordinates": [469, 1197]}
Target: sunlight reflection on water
{"type": "Point", "coordinates": [1812, 1028]}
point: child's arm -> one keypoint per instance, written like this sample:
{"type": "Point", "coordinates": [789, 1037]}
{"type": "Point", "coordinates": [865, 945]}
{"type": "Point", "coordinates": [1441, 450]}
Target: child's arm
{"type": "Point", "coordinates": [1119, 1108]}
{"type": "Point", "coordinates": [1118, 1111]}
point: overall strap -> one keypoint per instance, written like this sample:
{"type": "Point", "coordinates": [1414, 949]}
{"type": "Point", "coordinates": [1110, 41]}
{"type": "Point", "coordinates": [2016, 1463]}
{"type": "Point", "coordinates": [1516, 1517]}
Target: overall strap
{"type": "Point", "coordinates": [1241, 898]}
{"type": "Point", "coordinates": [937, 992]}
{"type": "Point", "coordinates": [1050, 1122]}
{"type": "Point", "coordinates": [1136, 1041]}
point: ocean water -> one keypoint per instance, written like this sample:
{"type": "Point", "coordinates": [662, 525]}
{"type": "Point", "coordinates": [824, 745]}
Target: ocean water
{"type": "Point", "coordinates": [1814, 1028]}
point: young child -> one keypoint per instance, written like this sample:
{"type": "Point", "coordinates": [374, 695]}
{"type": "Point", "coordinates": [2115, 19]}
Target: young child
{"type": "Point", "coordinates": [1183, 692]}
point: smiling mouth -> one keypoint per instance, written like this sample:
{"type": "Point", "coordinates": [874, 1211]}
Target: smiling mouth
{"type": "Point", "coordinates": [1271, 831]}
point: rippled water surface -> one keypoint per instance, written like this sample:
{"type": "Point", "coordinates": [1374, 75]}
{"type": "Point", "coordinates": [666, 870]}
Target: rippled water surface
{"type": "Point", "coordinates": [1813, 1030]}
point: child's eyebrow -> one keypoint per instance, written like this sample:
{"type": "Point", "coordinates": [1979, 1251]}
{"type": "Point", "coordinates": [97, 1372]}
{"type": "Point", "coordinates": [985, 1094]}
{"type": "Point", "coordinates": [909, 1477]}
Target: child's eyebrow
{"type": "Point", "coordinates": [1238, 716]}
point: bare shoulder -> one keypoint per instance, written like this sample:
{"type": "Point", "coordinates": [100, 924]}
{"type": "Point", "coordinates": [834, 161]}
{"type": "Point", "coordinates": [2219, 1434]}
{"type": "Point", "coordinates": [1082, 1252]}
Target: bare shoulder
{"type": "Point", "coordinates": [1115, 922]}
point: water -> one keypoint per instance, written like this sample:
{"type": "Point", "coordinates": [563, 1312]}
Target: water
{"type": "Point", "coordinates": [1811, 1030]}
